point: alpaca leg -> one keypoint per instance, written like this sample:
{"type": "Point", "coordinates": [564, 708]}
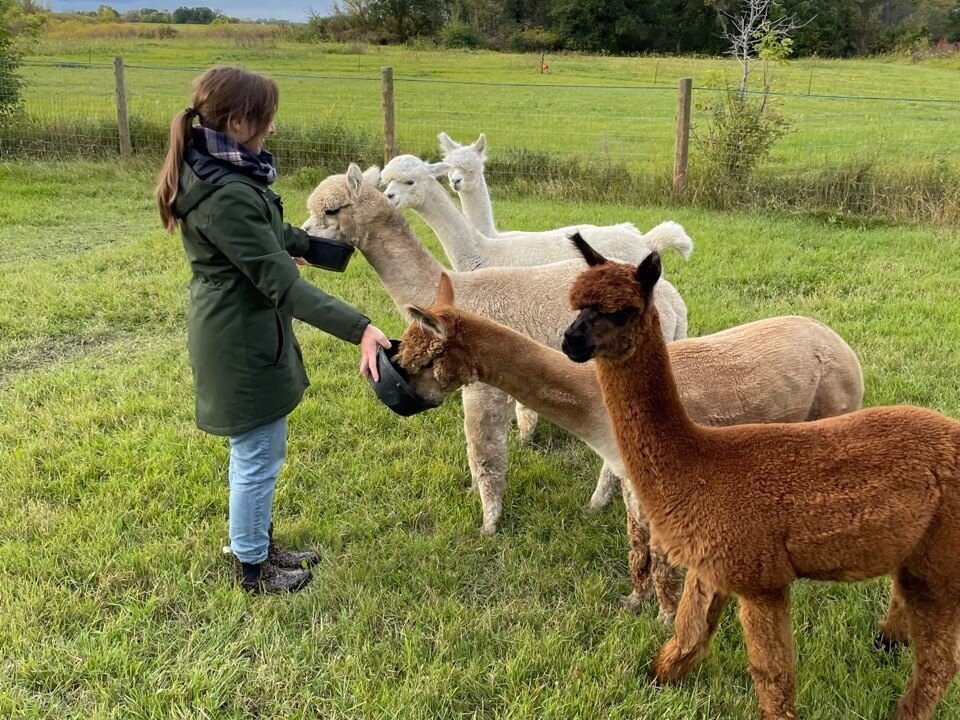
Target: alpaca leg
{"type": "Point", "coordinates": [526, 423]}
{"type": "Point", "coordinates": [607, 485]}
{"type": "Point", "coordinates": [698, 617]}
{"type": "Point", "coordinates": [638, 557]}
{"type": "Point", "coordinates": [934, 623]}
{"type": "Point", "coordinates": [667, 583]}
{"type": "Point", "coordinates": [486, 419]}
{"type": "Point", "coordinates": [769, 639]}
{"type": "Point", "coordinates": [894, 629]}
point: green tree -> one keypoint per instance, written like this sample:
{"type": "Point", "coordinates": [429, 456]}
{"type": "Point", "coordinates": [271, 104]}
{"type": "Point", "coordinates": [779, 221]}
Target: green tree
{"type": "Point", "coordinates": [953, 23]}
{"type": "Point", "coordinates": [10, 82]}
{"type": "Point", "coordinates": [406, 19]}
{"type": "Point", "coordinates": [193, 16]}
{"type": "Point", "coordinates": [105, 13]}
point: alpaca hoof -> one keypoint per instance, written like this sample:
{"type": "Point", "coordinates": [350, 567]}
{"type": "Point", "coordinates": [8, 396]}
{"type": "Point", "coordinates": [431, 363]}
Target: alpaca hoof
{"type": "Point", "coordinates": [666, 617]}
{"type": "Point", "coordinates": [489, 529]}
{"type": "Point", "coordinates": [882, 641]}
{"type": "Point", "coordinates": [526, 434]}
{"type": "Point", "coordinates": [598, 501]}
{"type": "Point", "coordinates": [632, 602]}
{"type": "Point", "coordinates": [526, 424]}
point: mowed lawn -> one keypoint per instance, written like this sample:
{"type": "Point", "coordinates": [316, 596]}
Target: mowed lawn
{"type": "Point", "coordinates": [117, 603]}
{"type": "Point", "coordinates": [599, 109]}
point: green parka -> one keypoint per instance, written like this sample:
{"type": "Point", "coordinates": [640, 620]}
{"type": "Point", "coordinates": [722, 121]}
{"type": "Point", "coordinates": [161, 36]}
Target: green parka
{"type": "Point", "coordinates": [245, 291]}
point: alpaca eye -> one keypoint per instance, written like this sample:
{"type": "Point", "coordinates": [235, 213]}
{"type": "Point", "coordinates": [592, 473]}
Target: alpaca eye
{"type": "Point", "coordinates": [408, 182]}
{"type": "Point", "coordinates": [332, 212]}
{"type": "Point", "coordinates": [621, 317]}
{"type": "Point", "coordinates": [429, 364]}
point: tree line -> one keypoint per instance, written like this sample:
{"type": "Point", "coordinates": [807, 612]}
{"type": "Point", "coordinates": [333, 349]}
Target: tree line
{"type": "Point", "coordinates": [828, 28]}
{"type": "Point", "coordinates": [836, 28]}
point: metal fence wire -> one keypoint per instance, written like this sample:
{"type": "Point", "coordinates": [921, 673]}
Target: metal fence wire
{"type": "Point", "coordinates": [856, 153]}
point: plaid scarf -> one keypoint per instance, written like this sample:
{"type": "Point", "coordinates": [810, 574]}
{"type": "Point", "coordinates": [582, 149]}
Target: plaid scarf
{"type": "Point", "coordinates": [221, 146]}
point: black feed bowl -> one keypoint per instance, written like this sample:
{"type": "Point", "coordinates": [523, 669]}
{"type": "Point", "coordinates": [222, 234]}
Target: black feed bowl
{"type": "Point", "coordinates": [393, 388]}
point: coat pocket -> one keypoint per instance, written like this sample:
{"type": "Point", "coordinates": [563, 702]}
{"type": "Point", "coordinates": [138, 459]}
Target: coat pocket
{"type": "Point", "coordinates": [281, 340]}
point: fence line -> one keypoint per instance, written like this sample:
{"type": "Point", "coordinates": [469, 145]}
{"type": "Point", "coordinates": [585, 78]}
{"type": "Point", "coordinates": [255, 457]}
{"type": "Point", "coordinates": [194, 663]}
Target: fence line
{"type": "Point", "coordinates": [618, 141]}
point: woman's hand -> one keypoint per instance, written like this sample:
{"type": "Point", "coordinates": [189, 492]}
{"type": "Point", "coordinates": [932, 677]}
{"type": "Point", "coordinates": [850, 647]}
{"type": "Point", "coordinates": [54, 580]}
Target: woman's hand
{"type": "Point", "coordinates": [372, 337]}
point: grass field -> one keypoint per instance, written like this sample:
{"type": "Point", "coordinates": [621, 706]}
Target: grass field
{"type": "Point", "coordinates": [118, 604]}
{"type": "Point", "coordinates": [603, 109]}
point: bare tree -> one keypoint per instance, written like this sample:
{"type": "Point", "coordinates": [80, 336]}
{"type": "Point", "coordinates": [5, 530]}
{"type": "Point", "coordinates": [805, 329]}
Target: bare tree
{"type": "Point", "coordinates": [754, 28]}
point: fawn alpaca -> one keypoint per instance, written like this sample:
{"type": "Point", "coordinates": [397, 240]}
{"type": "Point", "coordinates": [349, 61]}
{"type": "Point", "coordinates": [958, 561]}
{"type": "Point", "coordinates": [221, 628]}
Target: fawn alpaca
{"type": "Point", "coordinates": [750, 508]}
{"type": "Point", "coordinates": [782, 369]}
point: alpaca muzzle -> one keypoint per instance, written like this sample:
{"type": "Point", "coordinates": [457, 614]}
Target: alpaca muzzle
{"type": "Point", "coordinates": [578, 343]}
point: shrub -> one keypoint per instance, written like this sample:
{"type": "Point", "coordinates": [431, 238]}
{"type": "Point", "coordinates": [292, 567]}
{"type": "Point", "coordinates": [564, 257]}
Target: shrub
{"type": "Point", "coordinates": [739, 135]}
{"type": "Point", "coordinates": [459, 34]}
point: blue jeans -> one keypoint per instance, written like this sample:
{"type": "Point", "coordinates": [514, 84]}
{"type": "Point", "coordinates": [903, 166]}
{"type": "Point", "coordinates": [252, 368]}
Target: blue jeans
{"type": "Point", "coordinates": [256, 457]}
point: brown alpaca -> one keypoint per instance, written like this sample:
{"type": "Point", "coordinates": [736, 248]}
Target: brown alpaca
{"type": "Point", "coordinates": [784, 369]}
{"type": "Point", "coordinates": [750, 508]}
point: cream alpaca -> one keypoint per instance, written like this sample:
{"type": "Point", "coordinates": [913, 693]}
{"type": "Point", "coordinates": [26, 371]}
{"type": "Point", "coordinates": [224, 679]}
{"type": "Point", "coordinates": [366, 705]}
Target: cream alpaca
{"type": "Point", "coordinates": [466, 175]}
{"type": "Point", "coordinates": [412, 183]}
{"type": "Point", "coordinates": [531, 300]}
{"type": "Point", "coordinates": [748, 509]}
{"type": "Point", "coordinates": [784, 369]}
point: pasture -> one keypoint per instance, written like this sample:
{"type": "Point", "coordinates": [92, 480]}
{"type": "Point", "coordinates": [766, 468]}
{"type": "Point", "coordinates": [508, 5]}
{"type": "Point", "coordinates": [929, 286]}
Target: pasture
{"type": "Point", "coordinates": [871, 136]}
{"type": "Point", "coordinates": [117, 602]}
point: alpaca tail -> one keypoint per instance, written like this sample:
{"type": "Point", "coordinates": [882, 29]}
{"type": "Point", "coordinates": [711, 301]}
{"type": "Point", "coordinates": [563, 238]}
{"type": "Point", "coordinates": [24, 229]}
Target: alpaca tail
{"type": "Point", "coordinates": [669, 235]}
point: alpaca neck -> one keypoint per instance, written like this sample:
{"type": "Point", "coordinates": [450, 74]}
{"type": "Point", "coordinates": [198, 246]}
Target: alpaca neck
{"type": "Point", "coordinates": [536, 376]}
{"type": "Point", "coordinates": [478, 209]}
{"type": "Point", "coordinates": [406, 268]}
{"type": "Point", "coordinates": [653, 430]}
{"type": "Point", "coordinates": [463, 243]}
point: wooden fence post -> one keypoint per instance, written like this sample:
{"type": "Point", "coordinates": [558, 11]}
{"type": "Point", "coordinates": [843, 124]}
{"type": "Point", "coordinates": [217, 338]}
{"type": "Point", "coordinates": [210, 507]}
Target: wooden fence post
{"type": "Point", "coordinates": [389, 121]}
{"type": "Point", "coordinates": [683, 137]}
{"type": "Point", "coordinates": [123, 118]}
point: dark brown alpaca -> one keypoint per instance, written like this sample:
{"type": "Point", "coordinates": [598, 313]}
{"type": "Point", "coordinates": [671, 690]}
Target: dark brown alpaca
{"type": "Point", "coordinates": [750, 508]}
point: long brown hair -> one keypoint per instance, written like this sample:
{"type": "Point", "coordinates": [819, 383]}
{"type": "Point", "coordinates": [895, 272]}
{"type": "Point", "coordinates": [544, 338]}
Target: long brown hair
{"type": "Point", "coordinates": [219, 95]}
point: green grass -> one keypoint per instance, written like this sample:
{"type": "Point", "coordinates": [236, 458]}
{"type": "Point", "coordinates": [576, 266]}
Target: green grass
{"type": "Point", "coordinates": [118, 603]}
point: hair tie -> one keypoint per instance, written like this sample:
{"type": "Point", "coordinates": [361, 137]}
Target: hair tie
{"type": "Point", "coordinates": [192, 112]}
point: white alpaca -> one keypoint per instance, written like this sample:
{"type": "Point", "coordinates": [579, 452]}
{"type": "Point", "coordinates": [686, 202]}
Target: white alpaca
{"type": "Point", "coordinates": [531, 300]}
{"type": "Point", "coordinates": [412, 183]}
{"type": "Point", "coordinates": [467, 178]}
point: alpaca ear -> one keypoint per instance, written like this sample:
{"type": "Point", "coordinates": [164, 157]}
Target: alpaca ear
{"type": "Point", "coordinates": [447, 143]}
{"type": "Point", "coordinates": [589, 254]}
{"type": "Point", "coordinates": [648, 272]}
{"type": "Point", "coordinates": [427, 321]}
{"type": "Point", "coordinates": [354, 180]}
{"type": "Point", "coordinates": [445, 290]}
{"type": "Point", "coordinates": [372, 175]}
{"type": "Point", "coordinates": [480, 143]}
{"type": "Point", "coordinates": [438, 170]}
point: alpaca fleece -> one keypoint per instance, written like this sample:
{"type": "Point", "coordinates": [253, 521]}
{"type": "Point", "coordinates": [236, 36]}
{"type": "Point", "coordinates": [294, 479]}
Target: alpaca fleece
{"type": "Point", "coordinates": [532, 300]}
{"type": "Point", "coordinates": [750, 508]}
{"type": "Point", "coordinates": [785, 369]}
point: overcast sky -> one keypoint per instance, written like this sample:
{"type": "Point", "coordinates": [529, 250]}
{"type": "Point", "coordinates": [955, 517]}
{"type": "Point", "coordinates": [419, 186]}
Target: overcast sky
{"type": "Point", "coordinates": [295, 10]}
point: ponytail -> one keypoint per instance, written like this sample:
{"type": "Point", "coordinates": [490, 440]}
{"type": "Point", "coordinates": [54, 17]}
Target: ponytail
{"type": "Point", "coordinates": [166, 190]}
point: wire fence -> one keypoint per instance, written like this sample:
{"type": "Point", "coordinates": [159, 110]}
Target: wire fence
{"type": "Point", "coordinates": [891, 156]}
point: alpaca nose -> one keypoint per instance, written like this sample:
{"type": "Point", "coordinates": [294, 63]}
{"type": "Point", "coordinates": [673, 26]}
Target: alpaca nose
{"type": "Point", "coordinates": [390, 195]}
{"type": "Point", "coordinates": [577, 345]}
{"type": "Point", "coordinates": [456, 184]}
